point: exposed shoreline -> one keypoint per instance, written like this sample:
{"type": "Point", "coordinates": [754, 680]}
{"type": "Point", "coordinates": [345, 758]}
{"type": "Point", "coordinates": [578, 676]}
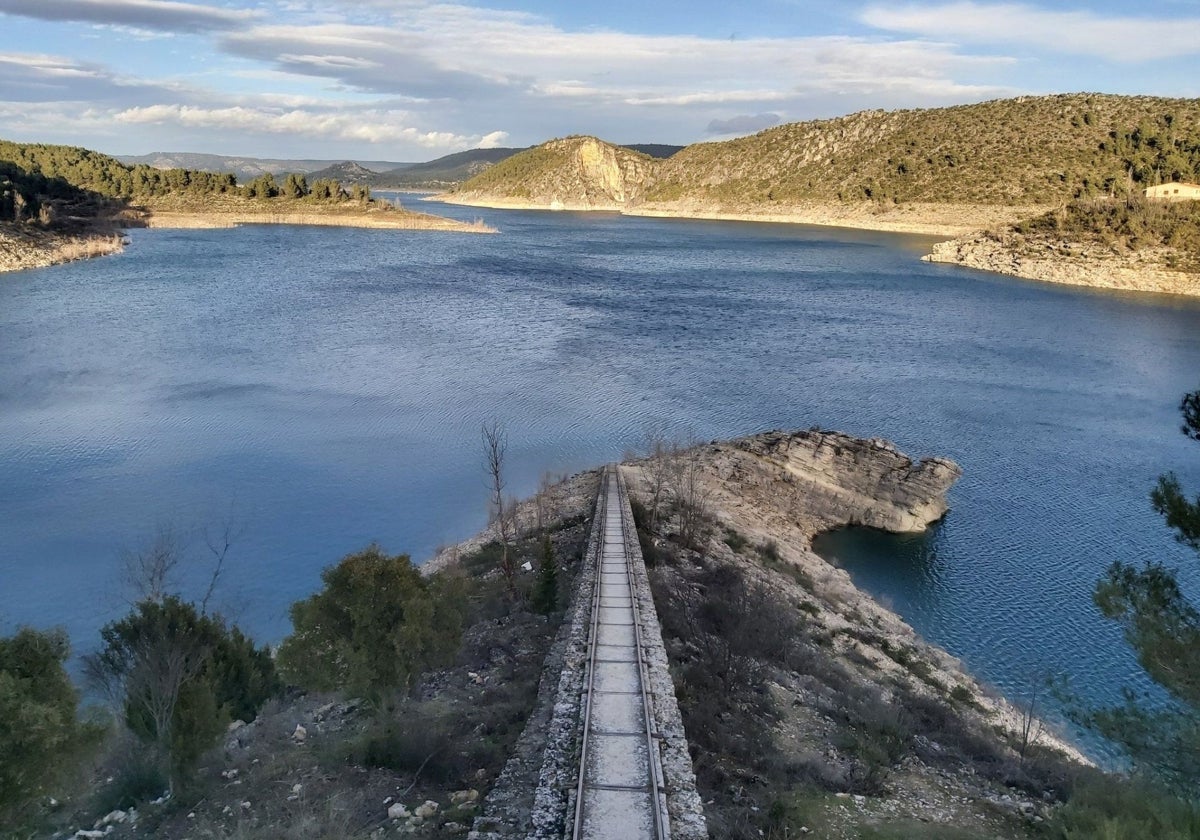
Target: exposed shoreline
{"type": "Point", "coordinates": [27, 246]}
{"type": "Point", "coordinates": [1067, 264]}
{"type": "Point", "coordinates": [24, 248]}
{"type": "Point", "coordinates": [391, 220]}
{"type": "Point", "coordinates": [1062, 263]}
{"type": "Point", "coordinates": [947, 220]}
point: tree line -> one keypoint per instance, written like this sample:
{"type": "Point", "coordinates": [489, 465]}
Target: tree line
{"type": "Point", "coordinates": [35, 178]}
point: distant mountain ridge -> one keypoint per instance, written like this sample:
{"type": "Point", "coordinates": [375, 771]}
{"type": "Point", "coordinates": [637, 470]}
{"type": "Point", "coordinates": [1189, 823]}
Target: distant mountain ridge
{"type": "Point", "coordinates": [247, 168]}
{"type": "Point", "coordinates": [440, 173]}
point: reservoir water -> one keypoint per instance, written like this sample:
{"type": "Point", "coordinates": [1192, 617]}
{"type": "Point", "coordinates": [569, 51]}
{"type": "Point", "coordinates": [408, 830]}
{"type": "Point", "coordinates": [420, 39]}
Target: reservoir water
{"type": "Point", "coordinates": [325, 388]}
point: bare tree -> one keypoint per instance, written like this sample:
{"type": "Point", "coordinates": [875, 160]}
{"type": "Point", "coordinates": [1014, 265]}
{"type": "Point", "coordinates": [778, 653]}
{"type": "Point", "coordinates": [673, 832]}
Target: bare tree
{"type": "Point", "coordinates": [143, 668]}
{"type": "Point", "coordinates": [545, 509]}
{"type": "Point", "coordinates": [152, 572]}
{"type": "Point", "coordinates": [149, 572]}
{"type": "Point", "coordinates": [1032, 727]}
{"type": "Point", "coordinates": [495, 447]}
{"type": "Point", "coordinates": [660, 454]}
{"type": "Point", "coordinates": [691, 495]}
{"type": "Point", "coordinates": [219, 541]}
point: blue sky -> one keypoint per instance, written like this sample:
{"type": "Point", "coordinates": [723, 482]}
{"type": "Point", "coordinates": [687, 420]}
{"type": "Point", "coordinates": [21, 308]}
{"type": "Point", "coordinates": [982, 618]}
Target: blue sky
{"type": "Point", "coordinates": [416, 79]}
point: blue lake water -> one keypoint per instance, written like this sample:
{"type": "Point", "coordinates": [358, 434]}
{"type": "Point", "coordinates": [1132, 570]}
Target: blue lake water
{"type": "Point", "coordinates": [326, 388]}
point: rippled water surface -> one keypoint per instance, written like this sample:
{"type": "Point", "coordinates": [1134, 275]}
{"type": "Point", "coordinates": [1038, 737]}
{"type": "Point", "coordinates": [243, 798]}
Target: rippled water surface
{"type": "Point", "coordinates": [327, 387]}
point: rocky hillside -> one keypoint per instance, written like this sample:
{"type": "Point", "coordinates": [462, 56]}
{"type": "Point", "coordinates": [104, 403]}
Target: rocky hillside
{"type": "Point", "coordinates": [573, 173]}
{"type": "Point", "coordinates": [347, 172]}
{"type": "Point", "coordinates": [1019, 153]}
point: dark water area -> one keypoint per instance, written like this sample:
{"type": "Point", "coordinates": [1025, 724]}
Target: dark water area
{"type": "Point", "coordinates": [326, 387]}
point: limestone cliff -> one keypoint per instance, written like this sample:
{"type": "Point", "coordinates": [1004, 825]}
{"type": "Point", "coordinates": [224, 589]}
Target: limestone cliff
{"type": "Point", "coordinates": [820, 480]}
{"type": "Point", "coordinates": [572, 173]}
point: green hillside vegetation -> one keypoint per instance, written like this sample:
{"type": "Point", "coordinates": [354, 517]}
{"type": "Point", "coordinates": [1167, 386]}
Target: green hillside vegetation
{"type": "Point", "coordinates": [1029, 151]}
{"type": "Point", "coordinates": [1124, 225]}
{"type": "Point", "coordinates": [49, 184]}
{"type": "Point", "coordinates": [520, 174]}
{"type": "Point", "coordinates": [1014, 152]}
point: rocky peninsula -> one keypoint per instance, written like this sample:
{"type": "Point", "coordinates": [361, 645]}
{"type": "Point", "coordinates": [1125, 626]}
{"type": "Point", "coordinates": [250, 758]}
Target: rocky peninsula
{"type": "Point", "coordinates": [822, 658]}
{"type": "Point", "coordinates": [1070, 262]}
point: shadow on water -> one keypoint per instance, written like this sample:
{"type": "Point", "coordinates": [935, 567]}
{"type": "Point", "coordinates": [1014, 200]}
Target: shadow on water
{"type": "Point", "coordinates": [901, 571]}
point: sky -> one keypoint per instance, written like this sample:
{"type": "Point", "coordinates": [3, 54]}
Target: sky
{"type": "Point", "coordinates": [411, 80]}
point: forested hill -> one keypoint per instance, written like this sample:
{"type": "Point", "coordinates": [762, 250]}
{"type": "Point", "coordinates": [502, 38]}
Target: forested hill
{"type": "Point", "coordinates": [58, 169]}
{"type": "Point", "coordinates": [46, 182]}
{"type": "Point", "coordinates": [1014, 152]}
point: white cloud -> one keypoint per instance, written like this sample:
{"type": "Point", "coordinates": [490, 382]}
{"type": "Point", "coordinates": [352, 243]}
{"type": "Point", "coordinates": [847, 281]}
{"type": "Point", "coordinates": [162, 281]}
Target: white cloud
{"type": "Point", "coordinates": [1117, 38]}
{"type": "Point", "coordinates": [357, 125]}
{"type": "Point", "coordinates": [493, 140]}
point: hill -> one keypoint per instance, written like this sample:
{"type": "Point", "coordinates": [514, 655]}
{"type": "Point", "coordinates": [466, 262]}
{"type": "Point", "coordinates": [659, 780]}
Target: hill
{"type": "Point", "coordinates": [445, 171]}
{"type": "Point", "coordinates": [347, 172]}
{"type": "Point", "coordinates": [1029, 153]}
{"type": "Point", "coordinates": [59, 203]}
{"type": "Point", "coordinates": [245, 168]}
{"type": "Point", "coordinates": [451, 170]}
{"type": "Point", "coordinates": [582, 173]}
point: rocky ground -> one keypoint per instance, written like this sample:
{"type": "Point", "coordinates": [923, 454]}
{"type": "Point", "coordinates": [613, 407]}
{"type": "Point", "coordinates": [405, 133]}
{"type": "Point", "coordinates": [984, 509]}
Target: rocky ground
{"type": "Point", "coordinates": [811, 710]}
{"type": "Point", "coordinates": [1068, 263]}
{"type": "Point", "coordinates": [28, 246]}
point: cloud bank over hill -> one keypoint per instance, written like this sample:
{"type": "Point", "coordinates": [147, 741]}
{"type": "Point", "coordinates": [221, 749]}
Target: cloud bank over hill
{"type": "Point", "coordinates": [418, 79]}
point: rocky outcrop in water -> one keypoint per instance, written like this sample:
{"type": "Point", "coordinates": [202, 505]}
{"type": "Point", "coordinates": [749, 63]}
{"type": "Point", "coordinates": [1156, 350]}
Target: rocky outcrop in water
{"type": "Point", "coordinates": [832, 480]}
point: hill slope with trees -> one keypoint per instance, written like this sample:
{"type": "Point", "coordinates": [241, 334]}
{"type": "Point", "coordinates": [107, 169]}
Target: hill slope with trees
{"type": "Point", "coordinates": [59, 203]}
{"type": "Point", "coordinates": [945, 171]}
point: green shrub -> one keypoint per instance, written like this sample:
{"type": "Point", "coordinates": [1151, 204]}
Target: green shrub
{"type": "Point", "coordinates": [1112, 809]}
{"type": "Point", "coordinates": [374, 629]}
{"type": "Point", "coordinates": [40, 735]}
{"type": "Point", "coordinates": [735, 541]}
{"type": "Point", "coordinates": [137, 779]}
{"type": "Point", "coordinates": [181, 677]}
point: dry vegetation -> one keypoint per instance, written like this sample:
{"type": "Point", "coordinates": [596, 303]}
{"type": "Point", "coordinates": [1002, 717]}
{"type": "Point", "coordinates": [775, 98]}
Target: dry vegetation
{"type": "Point", "coordinates": [1024, 152]}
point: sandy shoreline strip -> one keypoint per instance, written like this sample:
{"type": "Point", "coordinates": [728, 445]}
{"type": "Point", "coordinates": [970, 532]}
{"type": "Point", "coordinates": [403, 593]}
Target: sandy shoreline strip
{"type": "Point", "coordinates": [25, 246]}
{"type": "Point", "coordinates": [921, 219]}
{"type": "Point", "coordinates": [379, 221]}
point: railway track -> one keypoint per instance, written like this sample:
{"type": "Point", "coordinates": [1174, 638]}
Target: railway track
{"type": "Point", "coordinates": [620, 792]}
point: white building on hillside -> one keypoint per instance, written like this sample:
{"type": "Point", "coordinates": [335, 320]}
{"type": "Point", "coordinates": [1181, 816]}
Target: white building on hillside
{"type": "Point", "coordinates": [1175, 191]}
